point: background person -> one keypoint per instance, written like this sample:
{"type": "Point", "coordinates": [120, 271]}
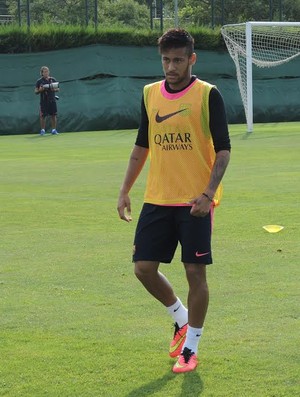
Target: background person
{"type": "Point", "coordinates": [184, 128]}
{"type": "Point", "coordinates": [44, 86]}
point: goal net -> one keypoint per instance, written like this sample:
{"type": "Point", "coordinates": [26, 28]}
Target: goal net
{"type": "Point", "coordinates": [265, 44]}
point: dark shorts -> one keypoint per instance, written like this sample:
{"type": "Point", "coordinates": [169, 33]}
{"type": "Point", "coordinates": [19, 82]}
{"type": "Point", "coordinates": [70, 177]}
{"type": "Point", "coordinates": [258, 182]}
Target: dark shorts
{"type": "Point", "coordinates": [48, 109]}
{"type": "Point", "coordinates": [160, 228]}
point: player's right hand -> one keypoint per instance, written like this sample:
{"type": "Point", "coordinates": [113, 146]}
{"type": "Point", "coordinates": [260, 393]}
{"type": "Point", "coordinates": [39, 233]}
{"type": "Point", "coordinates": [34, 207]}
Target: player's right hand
{"type": "Point", "coordinates": [124, 208]}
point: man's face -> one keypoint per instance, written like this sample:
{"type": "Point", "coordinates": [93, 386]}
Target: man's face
{"type": "Point", "coordinates": [45, 73]}
{"type": "Point", "coordinates": [177, 66]}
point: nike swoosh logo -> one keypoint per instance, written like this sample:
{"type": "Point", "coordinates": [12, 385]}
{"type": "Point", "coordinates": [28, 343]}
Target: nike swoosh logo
{"type": "Point", "coordinates": [160, 119]}
{"type": "Point", "coordinates": [175, 310]}
{"type": "Point", "coordinates": [200, 254]}
{"type": "Point", "coordinates": [173, 348]}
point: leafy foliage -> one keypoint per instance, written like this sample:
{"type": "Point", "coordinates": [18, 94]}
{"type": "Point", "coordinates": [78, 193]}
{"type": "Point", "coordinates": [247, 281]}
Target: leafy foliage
{"type": "Point", "coordinates": [136, 13]}
{"type": "Point", "coordinates": [220, 12]}
{"type": "Point", "coordinates": [80, 12]}
{"type": "Point", "coordinates": [127, 13]}
{"type": "Point", "coordinates": [70, 23]}
{"type": "Point", "coordinates": [14, 39]}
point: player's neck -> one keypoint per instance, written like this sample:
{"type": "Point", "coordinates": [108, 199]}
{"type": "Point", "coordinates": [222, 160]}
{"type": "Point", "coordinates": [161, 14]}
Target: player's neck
{"type": "Point", "coordinates": [172, 90]}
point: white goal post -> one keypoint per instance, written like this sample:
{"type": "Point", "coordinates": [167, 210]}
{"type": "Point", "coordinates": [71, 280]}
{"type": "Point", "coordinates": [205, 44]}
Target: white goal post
{"type": "Point", "coordinates": [265, 44]}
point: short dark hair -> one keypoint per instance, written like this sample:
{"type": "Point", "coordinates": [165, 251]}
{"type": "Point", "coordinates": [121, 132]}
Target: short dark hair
{"type": "Point", "coordinates": [176, 38]}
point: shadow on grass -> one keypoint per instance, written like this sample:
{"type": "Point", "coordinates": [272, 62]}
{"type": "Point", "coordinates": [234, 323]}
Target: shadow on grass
{"type": "Point", "coordinates": [192, 385]}
{"type": "Point", "coordinates": [247, 135]}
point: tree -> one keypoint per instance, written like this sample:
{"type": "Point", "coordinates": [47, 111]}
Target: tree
{"type": "Point", "coordinates": [291, 10]}
{"type": "Point", "coordinates": [135, 13]}
{"type": "Point", "coordinates": [199, 12]}
{"type": "Point", "coordinates": [78, 12]}
{"type": "Point", "coordinates": [126, 12]}
{"type": "Point", "coordinates": [56, 11]}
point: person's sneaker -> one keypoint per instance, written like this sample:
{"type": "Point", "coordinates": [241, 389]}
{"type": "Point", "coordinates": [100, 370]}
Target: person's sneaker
{"type": "Point", "coordinates": [178, 340]}
{"type": "Point", "coordinates": [54, 132]}
{"type": "Point", "coordinates": [42, 132]}
{"type": "Point", "coordinates": [187, 361]}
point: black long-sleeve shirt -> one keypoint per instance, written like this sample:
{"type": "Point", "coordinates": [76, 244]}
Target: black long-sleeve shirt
{"type": "Point", "coordinates": [217, 121]}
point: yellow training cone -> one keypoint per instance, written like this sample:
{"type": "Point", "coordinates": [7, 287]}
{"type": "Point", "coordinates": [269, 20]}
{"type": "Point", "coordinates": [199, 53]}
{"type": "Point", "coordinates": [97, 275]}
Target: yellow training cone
{"type": "Point", "coordinates": [273, 228]}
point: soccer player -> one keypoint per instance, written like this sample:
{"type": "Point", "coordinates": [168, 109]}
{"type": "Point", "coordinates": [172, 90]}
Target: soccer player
{"type": "Point", "coordinates": [184, 129]}
{"type": "Point", "coordinates": [45, 88]}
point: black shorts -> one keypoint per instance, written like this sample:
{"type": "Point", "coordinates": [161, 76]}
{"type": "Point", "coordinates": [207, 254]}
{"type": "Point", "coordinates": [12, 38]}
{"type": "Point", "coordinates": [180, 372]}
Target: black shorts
{"type": "Point", "coordinates": [160, 228]}
{"type": "Point", "coordinates": [48, 108]}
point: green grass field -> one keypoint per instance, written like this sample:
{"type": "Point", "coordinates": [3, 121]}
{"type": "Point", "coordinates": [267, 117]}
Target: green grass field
{"type": "Point", "coordinates": [74, 321]}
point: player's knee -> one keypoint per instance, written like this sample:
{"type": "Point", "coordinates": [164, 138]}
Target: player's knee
{"type": "Point", "coordinates": [143, 271]}
{"type": "Point", "coordinates": [196, 274]}
{"type": "Point", "coordinates": [139, 271]}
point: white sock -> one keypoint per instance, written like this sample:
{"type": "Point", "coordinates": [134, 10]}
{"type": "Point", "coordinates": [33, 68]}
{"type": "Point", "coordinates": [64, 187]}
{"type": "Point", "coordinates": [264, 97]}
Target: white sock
{"type": "Point", "coordinates": [179, 313]}
{"type": "Point", "coordinates": [193, 336]}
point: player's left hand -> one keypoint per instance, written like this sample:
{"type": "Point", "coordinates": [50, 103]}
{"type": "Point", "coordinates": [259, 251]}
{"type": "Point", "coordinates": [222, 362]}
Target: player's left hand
{"type": "Point", "coordinates": [200, 206]}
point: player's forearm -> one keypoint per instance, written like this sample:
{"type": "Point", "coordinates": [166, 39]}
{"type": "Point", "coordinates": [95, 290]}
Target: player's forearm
{"type": "Point", "coordinates": [136, 162]}
{"type": "Point", "coordinates": [218, 171]}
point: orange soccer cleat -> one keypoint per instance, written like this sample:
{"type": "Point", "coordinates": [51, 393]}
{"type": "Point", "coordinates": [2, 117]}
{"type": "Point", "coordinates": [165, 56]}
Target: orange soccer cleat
{"type": "Point", "coordinates": [178, 340]}
{"type": "Point", "coordinates": [187, 361]}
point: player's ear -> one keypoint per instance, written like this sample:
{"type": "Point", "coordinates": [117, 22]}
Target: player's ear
{"type": "Point", "coordinates": [193, 59]}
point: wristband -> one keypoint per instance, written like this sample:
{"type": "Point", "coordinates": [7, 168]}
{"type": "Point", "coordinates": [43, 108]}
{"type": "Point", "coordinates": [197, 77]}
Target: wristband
{"type": "Point", "coordinates": [207, 196]}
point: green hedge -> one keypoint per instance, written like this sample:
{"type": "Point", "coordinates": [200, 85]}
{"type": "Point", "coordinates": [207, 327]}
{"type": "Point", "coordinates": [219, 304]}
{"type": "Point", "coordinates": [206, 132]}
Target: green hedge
{"type": "Point", "coordinates": [15, 39]}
